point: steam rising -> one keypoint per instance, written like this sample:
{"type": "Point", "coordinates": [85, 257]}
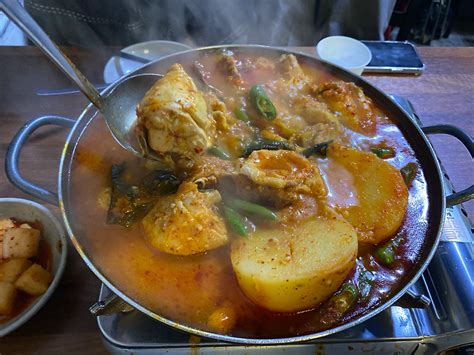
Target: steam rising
{"type": "Point", "coordinates": [209, 22]}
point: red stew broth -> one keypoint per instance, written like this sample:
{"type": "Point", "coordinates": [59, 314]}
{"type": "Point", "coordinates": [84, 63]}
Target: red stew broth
{"type": "Point", "coordinates": [188, 289]}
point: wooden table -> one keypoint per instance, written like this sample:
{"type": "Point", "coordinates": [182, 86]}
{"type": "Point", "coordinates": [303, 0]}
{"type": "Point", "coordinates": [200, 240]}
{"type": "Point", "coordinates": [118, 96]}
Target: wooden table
{"type": "Point", "coordinates": [443, 94]}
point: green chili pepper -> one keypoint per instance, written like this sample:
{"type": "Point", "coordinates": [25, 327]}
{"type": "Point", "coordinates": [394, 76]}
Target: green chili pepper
{"type": "Point", "coordinates": [385, 254]}
{"type": "Point", "coordinates": [320, 149]}
{"type": "Point", "coordinates": [265, 144]}
{"type": "Point", "coordinates": [218, 152]}
{"type": "Point", "coordinates": [409, 172]}
{"type": "Point", "coordinates": [346, 298]}
{"type": "Point", "coordinates": [253, 208]}
{"type": "Point", "coordinates": [235, 221]}
{"type": "Point", "coordinates": [240, 113]}
{"type": "Point", "coordinates": [262, 103]}
{"type": "Point", "coordinates": [383, 152]}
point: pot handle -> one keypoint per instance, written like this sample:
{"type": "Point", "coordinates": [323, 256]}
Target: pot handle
{"type": "Point", "coordinates": [468, 193]}
{"type": "Point", "coordinates": [13, 155]}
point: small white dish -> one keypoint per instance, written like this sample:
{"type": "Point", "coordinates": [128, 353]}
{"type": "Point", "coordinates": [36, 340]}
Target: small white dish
{"type": "Point", "coordinates": [54, 234]}
{"type": "Point", "coordinates": [345, 52]}
{"type": "Point", "coordinates": [117, 67]}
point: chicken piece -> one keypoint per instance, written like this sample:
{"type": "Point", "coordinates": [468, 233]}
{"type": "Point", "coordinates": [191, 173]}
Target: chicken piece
{"type": "Point", "coordinates": [319, 133]}
{"type": "Point", "coordinates": [293, 81]}
{"type": "Point", "coordinates": [218, 109]}
{"type": "Point", "coordinates": [291, 69]}
{"type": "Point", "coordinates": [186, 223]}
{"type": "Point", "coordinates": [263, 63]}
{"type": "Point", "coordinates": [289, 125]}
{"type": "Point", "coordinates": [174, 116]}
{"type": "Point", "coordinates": [285, 170]}
{"type": "Point", "coordinates": [228, 64]}
{"type": "Point", "coordinates": [348, 101]}
{"type": "Point", "coordinates": [208, 170]}
{"type": "Point", "coordinates": [312, 110]}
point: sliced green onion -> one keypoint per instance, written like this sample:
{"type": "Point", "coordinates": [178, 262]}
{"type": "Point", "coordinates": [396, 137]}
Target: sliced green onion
{"type": "Point", "coordinates": [235, 221]}
{"type": "Point", "coordinates": [253, 208]}
{"type": "Point", "coordinates": [262, 103]}
{"type": "Point", "coordinates": [346, 298]}
{"type": "Point", "coordinates": [383, 152]}
{"type": "Point", "coordinates": [320, 149]}
{"type": "Point", "coordinates": [408, 173]}
{"type": "Point", "coordinates": [240, 113]}
{"type": "Point", "coordinates": [266, 144]}
{"type": "Point", "coordinates": [219, 152]}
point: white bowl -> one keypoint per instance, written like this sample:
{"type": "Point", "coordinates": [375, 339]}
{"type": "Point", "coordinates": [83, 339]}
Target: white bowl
{"type": "Point", "coordinates": [53, 232]}
{"type": "Point", "coordinates": [346, 52]}
{"type": "Point", "coordinates": [117, 67]}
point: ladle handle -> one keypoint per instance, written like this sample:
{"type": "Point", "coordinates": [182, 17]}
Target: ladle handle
{"type": "Point", "coordinates": [22, 18]}
{"type": "Point", "coordinates": [13, 156]}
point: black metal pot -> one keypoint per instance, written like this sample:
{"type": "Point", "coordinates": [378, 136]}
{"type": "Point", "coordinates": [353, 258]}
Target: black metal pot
{"type": "Point", "coordinates": [415, 136]}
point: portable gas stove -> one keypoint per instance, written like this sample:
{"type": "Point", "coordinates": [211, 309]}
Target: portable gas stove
{"type": "Point", "coordinates": [437, 314]}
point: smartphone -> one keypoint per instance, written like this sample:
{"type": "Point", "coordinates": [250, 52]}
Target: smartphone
{"type": "Point", "coordinates": [393, 57]}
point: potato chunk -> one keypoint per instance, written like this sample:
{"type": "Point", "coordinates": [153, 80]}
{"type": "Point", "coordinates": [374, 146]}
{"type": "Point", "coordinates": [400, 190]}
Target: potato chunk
{"type": "Point", "coordinates": [11, 269]}
{"type": "Point", "coordinates": [21, 243]}
{"type": "Point", "coordinates": [7, 297]}
{"type": "Point", "coordinates": [294, 269]}
{"type": "Point", "coordinates": [381, 193]}
{"type": "Point", "coordinates": [174, 115]}
{"type": "Point", "coordinates": [186, 223]}
{"type": "Point", "coordinates": [34, 281]}
{"type": "Point", "coordinates": [5, 224]}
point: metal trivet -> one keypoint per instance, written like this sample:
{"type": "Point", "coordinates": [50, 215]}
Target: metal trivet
{"type": "Point", "coordinates": [447, 323]}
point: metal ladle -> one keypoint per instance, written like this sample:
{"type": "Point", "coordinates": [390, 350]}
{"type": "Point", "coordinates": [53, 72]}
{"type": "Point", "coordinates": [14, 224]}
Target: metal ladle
{"type": "Point", "coordinates": [117, 105]}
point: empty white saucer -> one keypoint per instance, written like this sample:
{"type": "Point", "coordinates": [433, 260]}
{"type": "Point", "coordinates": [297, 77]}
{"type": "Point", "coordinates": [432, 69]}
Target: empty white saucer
{"type": "Point", "coordinates": [117, 67]}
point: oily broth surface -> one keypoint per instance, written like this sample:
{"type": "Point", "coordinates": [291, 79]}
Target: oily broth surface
{"type": "Point", "coordinates": [188, 289]}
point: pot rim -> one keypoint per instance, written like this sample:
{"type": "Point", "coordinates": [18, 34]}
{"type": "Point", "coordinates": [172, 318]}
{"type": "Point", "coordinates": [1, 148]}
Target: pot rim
{"type": "Point", "coordinates": [70, 144]}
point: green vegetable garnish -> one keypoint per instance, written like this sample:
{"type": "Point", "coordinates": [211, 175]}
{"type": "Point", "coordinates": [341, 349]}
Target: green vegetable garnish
{"type": "Point", "coordinates": [320, 149]}
{"type": "Point", "coordinates": [235, 221]}
{"type": "Point", "coordinates": [386, 253]}
{"type": "Point", "coordinates": [408, 173]}
{"type": "Point", "coordinates": [383, 152]}
{"type": "Point", "coordinates": [240, 113]}
{"type": "Point", "coordinates": [346, 298]}
{"type": "Point", "coordinates": [253, 208]}
{"type": "Point", "coordinates": [266, 144]}
{"type": "Point", "coordinates": [219, 152]}
{"type": "Point", "coordinates": [128, 202]}
{"type": "Point", "coordinates": [262, 103]}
